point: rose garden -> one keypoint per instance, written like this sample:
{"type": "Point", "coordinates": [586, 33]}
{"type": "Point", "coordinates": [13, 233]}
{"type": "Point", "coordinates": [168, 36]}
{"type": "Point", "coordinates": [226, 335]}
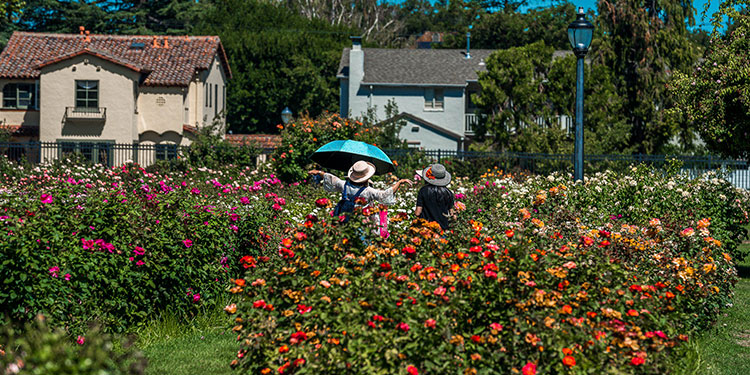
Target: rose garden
{"type": "Point", "coordinates": [540, 274]}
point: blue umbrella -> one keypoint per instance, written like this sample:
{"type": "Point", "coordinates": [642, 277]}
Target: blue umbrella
{"type": "Point", "coordinates": [341, 155]}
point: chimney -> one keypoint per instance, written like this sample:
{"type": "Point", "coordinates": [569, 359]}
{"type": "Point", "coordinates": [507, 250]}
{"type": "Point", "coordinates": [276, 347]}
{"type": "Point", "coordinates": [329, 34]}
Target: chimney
{"type": "Point", "coordinates": [356, 43]}
{"type": "Point", "coordinates": [166, 42]}
{"type": "Point", "coordinates": [354, 104]}
{"type": "Point", "coordinates": [156, 42]}
{"type": "Point", "coordinates": [88, 39]}
{"type": "Point", "coordinates": [468, 45]}
{"type": "Point", "coordinates": [81, 29]}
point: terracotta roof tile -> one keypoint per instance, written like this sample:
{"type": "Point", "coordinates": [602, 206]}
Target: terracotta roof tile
{"type": "Point", "coordinates": [266, 141]}
{"type": "Point", "coordinates": [174, 65]}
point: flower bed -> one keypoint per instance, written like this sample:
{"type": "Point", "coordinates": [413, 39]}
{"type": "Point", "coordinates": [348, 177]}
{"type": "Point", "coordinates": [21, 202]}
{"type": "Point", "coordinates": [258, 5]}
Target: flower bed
{"type": "Point", "coordinates": [540, 274]}
{"type": "Point", "coordinates": [536, 286]}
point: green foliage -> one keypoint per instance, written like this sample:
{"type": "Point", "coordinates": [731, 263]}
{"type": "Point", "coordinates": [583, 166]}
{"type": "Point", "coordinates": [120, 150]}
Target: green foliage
{"type": "Point", "coordinates": [606, 130]}
{"type": "Point", "coordinates": [511, 95]}
{"type": "Point", "coordinates": [715, 96]}
{"type": "Point", "coordinates": [36, 348]}
{"type": "Point", "coordinates": [643, 43]}
{"type": "Point", "coordinates": [278, 58]}
{"type": "Point", "coordinates": [301, 137]}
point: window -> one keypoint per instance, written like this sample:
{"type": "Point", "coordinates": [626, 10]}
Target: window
{"type": "Point", "coordinates": [166, 151]}
{"type": "Point", "coordinates": [87, 95]}
{"type": "Point", "coordinates": [210, 98]}
{"type": "Point", "coordinates": [19, 96]}
{"type": "Point", "coordinates": [216, 99]}
{"type": "Point", "coordinates": [206, 94]}
{"type": "Point", "coordinates": [224, 98]}
{"type": "Point", "coordinates": [94, 152]}
{"type": "Point", "coordinates": [433, 99]}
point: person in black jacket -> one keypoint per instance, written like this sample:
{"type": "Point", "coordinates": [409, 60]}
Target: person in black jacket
{"type": "Point", "coordinates": [435, 200]}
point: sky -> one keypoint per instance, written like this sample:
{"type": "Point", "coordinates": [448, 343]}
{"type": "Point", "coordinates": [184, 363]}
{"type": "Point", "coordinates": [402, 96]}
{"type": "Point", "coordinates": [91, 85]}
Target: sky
{"type": "Point", "coordinates": [704, 23]}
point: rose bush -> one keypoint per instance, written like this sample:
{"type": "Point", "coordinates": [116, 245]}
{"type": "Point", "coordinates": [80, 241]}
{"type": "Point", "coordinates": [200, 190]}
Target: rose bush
{"type": "Point", "coordinates": [523, 295]}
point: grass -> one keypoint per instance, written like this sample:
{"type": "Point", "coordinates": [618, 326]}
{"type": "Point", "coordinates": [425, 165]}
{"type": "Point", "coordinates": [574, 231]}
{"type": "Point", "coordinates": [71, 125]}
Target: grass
{"type": "Point", "coordinates": [725, 348]}
{"type": "Point", "coordinates": [175, 346]}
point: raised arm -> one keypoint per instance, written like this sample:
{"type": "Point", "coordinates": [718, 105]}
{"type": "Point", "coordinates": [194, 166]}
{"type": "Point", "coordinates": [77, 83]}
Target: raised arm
{"type": "Point", "coordinates": [398, 184]}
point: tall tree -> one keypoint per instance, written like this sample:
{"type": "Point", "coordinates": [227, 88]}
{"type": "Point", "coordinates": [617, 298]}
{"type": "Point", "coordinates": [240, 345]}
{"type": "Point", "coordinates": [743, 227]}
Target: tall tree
{"type": "Point", "coordinates": [279, 58]}
{"type": "Point", "coordinates": [512, 93]}
{"type": "Point", "coordinates": [715, 96]}
{"type": "Point", "coordinates": [606, 130]}
{"type": "Point", "coordinates": [643, 42]}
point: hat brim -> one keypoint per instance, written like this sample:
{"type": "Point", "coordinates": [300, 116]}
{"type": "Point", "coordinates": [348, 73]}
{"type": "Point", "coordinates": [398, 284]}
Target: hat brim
{"type": "Point", "coordinates": [436, 181]}
{"type": "Point", "coordinates": [370, 172]}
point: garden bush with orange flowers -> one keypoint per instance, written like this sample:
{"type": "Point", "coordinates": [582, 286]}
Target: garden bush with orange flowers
{"type": "Point", "coordinates": [535, 286]}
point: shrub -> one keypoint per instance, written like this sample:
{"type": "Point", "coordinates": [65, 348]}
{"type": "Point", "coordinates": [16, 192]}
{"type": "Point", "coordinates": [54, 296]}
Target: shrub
{"type": "Point", "coordinates": [554, 296]}
{"type": "Point", "coordinates": [36, 348]}
{"type": "Point", "coordinates": [301, 138]}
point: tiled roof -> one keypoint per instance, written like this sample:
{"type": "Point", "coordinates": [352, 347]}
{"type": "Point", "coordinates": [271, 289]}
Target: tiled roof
{"type": "Point", "coordinates": [167, 60]}
{"type": "Point", "coordinates": [265, 141]}
{"type": "Point", "coordinates": [418, 66]}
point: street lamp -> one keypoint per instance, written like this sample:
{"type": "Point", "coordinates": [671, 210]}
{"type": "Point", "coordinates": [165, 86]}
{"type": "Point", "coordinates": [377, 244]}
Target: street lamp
{"type": "Point", "coordinates": [286, 115]}
{"type": "Point", "coordinates": [580, 32]}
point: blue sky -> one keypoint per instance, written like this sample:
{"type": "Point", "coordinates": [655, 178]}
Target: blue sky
{"type": "Point", "coordinates": [704, 23]}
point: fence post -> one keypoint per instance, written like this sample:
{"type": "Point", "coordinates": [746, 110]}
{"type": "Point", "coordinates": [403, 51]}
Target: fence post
{"type": "Point", "coordinates": [135, 152]}
{"type": "Point", "coordinates": [438, 156]}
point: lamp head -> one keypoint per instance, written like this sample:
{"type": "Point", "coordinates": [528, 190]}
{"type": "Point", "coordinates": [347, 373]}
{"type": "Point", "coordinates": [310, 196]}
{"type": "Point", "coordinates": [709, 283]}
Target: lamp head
{"type": "Point", "coordinates": [580, 33]}
{"type": "Point", "coordinates": [286, 115]}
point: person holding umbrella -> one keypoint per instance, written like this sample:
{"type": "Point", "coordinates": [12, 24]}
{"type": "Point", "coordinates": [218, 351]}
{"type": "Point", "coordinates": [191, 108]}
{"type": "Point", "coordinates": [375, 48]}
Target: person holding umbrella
{"type": "Point", "coordinates": [435, 200]}
{"type": "Point", "coordinates": [357, 185]}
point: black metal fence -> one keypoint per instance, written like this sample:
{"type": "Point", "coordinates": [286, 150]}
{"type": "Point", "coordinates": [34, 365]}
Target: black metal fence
{"type": "Point", "coordinates": [735, 171]}
{"type": "Point", "coordinates": [106, 153]}
{"type": "Point", "coordinates": [111, 154]}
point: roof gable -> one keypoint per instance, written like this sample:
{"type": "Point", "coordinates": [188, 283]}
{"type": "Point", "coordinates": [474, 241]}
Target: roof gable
{"type": "Point", "coordinates": [167, 60]}
{"type": "Point", "coordinates": [100, 54]}
{"type": "Point", "coordinates": [424, 123]}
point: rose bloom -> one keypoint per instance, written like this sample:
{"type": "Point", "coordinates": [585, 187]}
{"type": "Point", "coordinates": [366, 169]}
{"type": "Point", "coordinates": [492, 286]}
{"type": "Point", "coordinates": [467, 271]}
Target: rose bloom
{"type": "Point", "coordinates": [529, 369]}
{"type": "Point", "coordinates": [80, 340]}
{"type": "Point", "coordinates": [637, 361]}
{"type": "Point", "coordinates": [187, 243]}
{"type": "Point", "coordinates": [569, 361]}
{"type": "Point", "coordinates": [46, 198]}
{"type": "Point", "coordinates": [411, 370]}
{"type": "Point", "coordinates": [430, 323]}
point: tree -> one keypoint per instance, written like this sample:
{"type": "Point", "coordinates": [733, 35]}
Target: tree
{"type": "Point", "coordinates": [715, 96]}
{"type": "Point", "coordinates": [375, 20]}
{"type": "Point", "coordinates": [278, 58]}
{"type": "Point", "coordinates": [606, 130]}
{"type": "Point", "coordinates": [643, 43]}
{"type": "Point", "coordinates": [512, 93]}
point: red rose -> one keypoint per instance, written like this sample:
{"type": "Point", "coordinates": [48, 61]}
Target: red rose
{"type": "Point", "coordinates": [412, 370]}
{"type": "Point", "coordinates": [637, 361]}
{"type": "Point", "coordinates": [569, 361]}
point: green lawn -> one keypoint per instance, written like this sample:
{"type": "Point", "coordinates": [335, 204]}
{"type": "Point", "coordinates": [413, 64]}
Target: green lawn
{"type": "Point", "coordinates": [195, 353]}
{"type": "Point", "coordinates": [202, 345]}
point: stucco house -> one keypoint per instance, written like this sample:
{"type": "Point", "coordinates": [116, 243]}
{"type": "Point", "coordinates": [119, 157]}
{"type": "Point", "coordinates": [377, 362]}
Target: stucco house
{"type": "Point", "coordinates": [431, 87]}
{"type": "Point", "coordinates": [99, 90]}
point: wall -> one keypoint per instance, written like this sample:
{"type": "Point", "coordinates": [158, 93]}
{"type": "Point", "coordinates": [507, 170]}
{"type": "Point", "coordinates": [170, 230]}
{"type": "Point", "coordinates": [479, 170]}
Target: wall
{"type": "Point", "coordinates": [411, 100]}
{"type": "Point", "coordinates": [116, 94]}
{"type": "Point", "coordinates": [27, 117]}
{"type": "Point", "coordinates": [161, 109]}
{"type": "Point", "coordinates": [427, 138]}
{"type": "Point", "coordinates": [213, 77]}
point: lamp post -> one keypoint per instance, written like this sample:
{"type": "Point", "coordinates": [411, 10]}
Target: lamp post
{"type": "Point", "coordinates": [286, 115]}
{"type": "Point", "coordinates": [580, 32]}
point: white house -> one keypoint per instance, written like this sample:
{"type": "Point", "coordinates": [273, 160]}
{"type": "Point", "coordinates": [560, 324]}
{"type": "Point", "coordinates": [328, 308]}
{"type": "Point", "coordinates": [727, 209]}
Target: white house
{"type": "Point", "coordinates": [431, 87]}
